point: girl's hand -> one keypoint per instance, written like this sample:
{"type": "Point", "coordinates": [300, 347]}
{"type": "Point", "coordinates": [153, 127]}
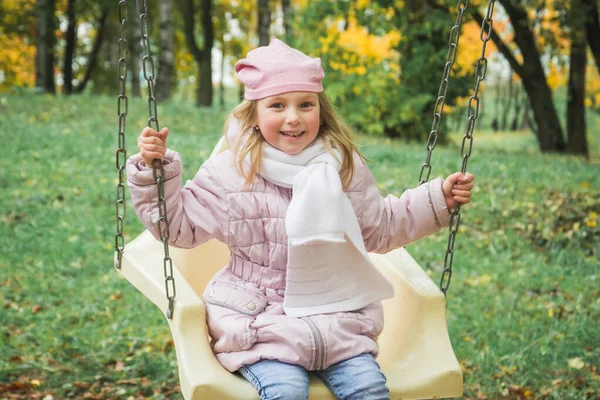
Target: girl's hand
{"type": "Point", "coordinates": [457, 189]}
{"type": "Point", "coordinates": [152, 144]}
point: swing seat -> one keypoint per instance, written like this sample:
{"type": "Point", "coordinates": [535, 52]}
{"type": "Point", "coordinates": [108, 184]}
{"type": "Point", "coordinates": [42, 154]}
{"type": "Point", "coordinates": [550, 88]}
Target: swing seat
{"type": "Point", "coordinates": [415, 351]}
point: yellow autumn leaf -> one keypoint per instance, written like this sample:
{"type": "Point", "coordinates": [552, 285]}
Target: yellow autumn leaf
{"type": "Point", "coordinates": [576, 363]}
{"type": "Point", "coordinates": [18, 59]}
{"type": "Point", "coordinates": [470, 49]}
{"type": "Point", "coordinates": [482, 280]}
{"type": "Point", "coordinates": [357, 39]}
{"type": "Point", "coordinates": [557, 76]}
{"type": "Point", "coordinates": [591, 221]}
{"type": "Point", "coordinates": [115, 296]}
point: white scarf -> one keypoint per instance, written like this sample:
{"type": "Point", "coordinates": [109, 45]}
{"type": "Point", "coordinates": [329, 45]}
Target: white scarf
{"type": "Point", "coordinates": [329, 269]}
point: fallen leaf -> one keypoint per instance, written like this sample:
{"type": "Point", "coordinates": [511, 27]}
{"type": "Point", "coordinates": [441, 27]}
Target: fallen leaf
{"type": "Point", "coordinates": [576, 363]}
{"type": "Point", "coordinates": [16, 359]}
{"type": "Point", "coordinates": [482, 280]}
{"type": "Point", "coordinates": [116, 296]}
{"type": "Point", "coordinates": [81, 385]}
{"type": "Point", "coordinates": [119, 365]}
{"type": "Point", "coordinates": [128, 381]}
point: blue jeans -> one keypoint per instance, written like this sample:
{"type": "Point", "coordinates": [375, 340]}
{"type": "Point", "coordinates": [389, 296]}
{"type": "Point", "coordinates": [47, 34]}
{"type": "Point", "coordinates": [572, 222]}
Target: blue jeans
{"type": "Point", "coordinates": [358, 378]}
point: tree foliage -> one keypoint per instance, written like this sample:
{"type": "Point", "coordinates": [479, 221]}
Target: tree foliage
{"type": "Point", "coordinates": [383, 59]}
{"type": "Point", "coordinates": [379, 65]}
{"type": "Point", "coordinates": [17, 51]}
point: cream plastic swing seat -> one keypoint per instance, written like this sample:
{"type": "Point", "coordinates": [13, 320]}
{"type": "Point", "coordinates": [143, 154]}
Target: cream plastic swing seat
{"type": "Point", "coordinates": [415, 351]}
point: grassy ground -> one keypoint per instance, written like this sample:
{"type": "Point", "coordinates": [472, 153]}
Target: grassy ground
{"type": "Point", "coordinates": [524, 303]}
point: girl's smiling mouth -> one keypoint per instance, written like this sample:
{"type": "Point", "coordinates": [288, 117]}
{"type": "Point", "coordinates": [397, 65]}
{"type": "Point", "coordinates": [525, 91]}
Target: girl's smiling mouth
{"type": "Point", "coordinates": [293, 134]}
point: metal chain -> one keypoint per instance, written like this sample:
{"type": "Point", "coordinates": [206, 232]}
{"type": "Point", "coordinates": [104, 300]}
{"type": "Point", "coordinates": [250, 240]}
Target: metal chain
{"type": "Point", "coordinates": [444, 84]}
{"type": "Point", "coordinates": [467, 142]}
{"type": "Point", "coordinates": [157, 166]}
{"type": "Point", "coordinates": [121, 154]}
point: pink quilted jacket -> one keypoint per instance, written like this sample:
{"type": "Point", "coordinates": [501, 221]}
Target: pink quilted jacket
{"type": "Point", "coordinates": [244, 300]}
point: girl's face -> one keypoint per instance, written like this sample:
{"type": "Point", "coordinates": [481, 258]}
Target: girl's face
{"type": "Point", "coordinates": [289, 121]}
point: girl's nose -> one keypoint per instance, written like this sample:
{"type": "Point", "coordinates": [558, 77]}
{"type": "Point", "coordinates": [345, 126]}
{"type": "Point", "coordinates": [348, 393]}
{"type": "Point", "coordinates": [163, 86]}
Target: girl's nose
{"type": "Point", "coordinates": [292, 116]}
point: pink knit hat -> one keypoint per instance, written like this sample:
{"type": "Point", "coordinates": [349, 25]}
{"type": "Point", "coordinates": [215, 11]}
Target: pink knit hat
{"type": "Point", "coordinates": [278, 68]}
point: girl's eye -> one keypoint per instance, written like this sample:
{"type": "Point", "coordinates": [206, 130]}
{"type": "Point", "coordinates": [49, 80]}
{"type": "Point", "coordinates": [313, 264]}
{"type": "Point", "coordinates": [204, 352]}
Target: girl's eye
{"type": "Point", "coordinates": [277, 105]}
{"type": "Point", "coordinates": [306, 104]}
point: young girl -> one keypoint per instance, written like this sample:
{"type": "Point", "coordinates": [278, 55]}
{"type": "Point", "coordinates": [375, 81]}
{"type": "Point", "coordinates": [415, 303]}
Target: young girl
{"type": "Point", "coordinates": [293, 199]}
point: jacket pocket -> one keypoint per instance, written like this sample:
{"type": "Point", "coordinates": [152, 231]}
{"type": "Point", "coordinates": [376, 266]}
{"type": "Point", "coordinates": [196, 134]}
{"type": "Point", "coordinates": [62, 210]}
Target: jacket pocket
{"type": "Point", "coordinates": [236, 298]}
{"type": "Point", "coordinates": [372, 318]}
{"type": "Point", "coordinates": [230, 309]}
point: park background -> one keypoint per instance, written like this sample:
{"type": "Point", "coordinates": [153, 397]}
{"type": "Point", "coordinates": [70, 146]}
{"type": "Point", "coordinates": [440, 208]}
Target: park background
{"type": "Point", "coordinates": [523, 305]}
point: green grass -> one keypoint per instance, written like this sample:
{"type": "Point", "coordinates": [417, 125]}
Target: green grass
{"type": "Point", "coordinates": [523, 306]}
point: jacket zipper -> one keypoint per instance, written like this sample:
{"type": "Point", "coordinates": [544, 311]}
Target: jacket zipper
{"type": "Point", "coordinates": [319, 343]}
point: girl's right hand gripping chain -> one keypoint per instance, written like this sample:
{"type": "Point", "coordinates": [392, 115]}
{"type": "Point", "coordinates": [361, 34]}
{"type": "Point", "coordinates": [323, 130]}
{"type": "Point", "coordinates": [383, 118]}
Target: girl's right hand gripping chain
{"type": "Point", "coordinates": [152, 144]}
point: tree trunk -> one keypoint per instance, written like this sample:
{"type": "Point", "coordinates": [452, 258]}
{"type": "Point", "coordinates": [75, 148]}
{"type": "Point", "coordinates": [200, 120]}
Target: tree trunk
{"type": "Point", "coordinates": [71, 40]}
{"type": "Point", "coordinates": [166, 59]}
{"type": "Point", "coordinates": [95, 50]}
{"type": "Point", "coordinates": [205, 96]}
{"type": "Point", "coordinates": [204, 93]}
{"type": "Point", "coordinates": [264, 22]}
{"type": "Point", "coordinates": [592, 29]}
{"type": "Point", "coordinates": [525, 121]}
{"type": "Point", "coordinates": [45, 40]}
{"type": "Point", "coordinates": [204, 90]}
{"type": "Point", "coordinates": [576, 129]}
{"type": "Point", "coordinates": [507, 102]}
{"type": "Point", "coordinates": [287, 21]}
{"type": "Point", "coordinates": [220, 30]}
{"type": "Point", "coordinates": [517, 109]}
{"type": "Point", "coordinates": [135, 54]}
{"type": "Point", "coordinates": [497, 113]}
{"type": "Point", "coordinates": [222, 83]}
{"type": "Point", "coordinates": [549, 132]}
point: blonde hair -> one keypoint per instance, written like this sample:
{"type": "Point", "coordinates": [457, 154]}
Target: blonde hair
{"type": "Point", "coordinates": [334, 132]}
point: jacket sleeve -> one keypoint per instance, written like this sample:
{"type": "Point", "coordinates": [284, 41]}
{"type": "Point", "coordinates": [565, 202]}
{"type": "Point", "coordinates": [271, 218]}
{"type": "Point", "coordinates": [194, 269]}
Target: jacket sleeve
{"type": "Point", "coordinates": [196, 213]}
{"type": "Point", "coordinates": [392, 222]}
